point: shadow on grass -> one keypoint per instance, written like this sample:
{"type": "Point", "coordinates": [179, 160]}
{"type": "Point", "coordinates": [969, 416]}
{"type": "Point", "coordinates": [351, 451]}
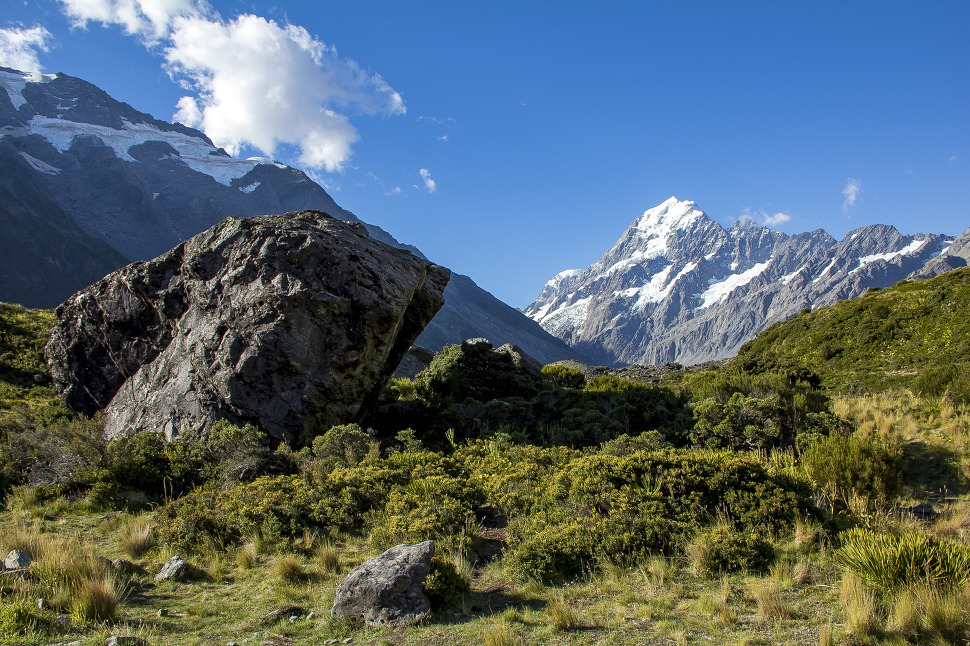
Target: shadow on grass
{"type": "Point", "coordinates": [930, 471]}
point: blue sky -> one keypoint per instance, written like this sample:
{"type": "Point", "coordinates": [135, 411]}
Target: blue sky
{"type": "Point", "coordinates": [512, 140]}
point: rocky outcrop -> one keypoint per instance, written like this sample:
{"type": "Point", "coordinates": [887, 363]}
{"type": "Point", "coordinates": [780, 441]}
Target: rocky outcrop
{"type": "Point", "coordinates": [953, 257]}
{"type": "Point", "coordinates": [292, 322]}
{"type": "Point", "coordinates": [386, 590]}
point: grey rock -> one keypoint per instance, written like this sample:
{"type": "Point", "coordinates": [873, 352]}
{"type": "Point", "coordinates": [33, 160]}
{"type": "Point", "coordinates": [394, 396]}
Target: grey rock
{"type": "Point", "coordinates": [953, 257]}
{"type": "Point", "coordinates": [62, 621]}
{"type": "Point", "coordinates": [678, 287]}
{"type": "Point", "coordinates": [124, 640]}
{"type": "Point", "coordinates": [292, 322]}
{"type": "Point", "coordinates": [16, 560]}
{"type": "Point", "coordinates": [386, 590]}
{"type": "Point", "coordinates": [176, 569]}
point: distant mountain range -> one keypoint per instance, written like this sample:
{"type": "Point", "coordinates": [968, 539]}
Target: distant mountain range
{"type": "Point", "coordinates": [89, 184]}
{"type": "Point", "coordinates": [679, 287]}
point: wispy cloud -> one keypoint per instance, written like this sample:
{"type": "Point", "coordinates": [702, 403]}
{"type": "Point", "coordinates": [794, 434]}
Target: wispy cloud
{"type": "Point", "coordinates": [853, 188]}
{"type": "Point", "coordinates": [19, 47]}
{"type": "Point", "coordinates": [429, 184]}
{"type": "Point", "coordinates": [748, 216]}
{"type": "Point", "coordinates": [254, 82]}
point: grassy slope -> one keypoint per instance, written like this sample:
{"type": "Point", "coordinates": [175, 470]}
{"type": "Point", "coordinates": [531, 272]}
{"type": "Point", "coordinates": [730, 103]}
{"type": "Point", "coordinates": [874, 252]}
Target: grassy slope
{"type": "Point", "coordinates": [24, 376]}
{"type": "Point", "coordinates": [915, 333]}
{"type": "Point", "coordinates": [882, 341]}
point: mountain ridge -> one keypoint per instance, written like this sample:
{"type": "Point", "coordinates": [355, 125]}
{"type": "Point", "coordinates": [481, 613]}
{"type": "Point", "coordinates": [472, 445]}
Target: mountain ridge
{"type": "Point", "coordinates": [677, 286]}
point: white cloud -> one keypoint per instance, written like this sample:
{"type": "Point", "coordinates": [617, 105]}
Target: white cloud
{"type": "Point", "coordinates": [254, 82]}
{"type": "Point", "coordinates": [19, 47]}
{"type": "Point", "coordinates": [777, 218]}
{"type": "Point", "coordinates": [762, 217]}
{"type": "Point", "coordinates": [853, 188]}
{"type": "Point", "coordinates": [150, 19]}
{"type": "Point", "coordinates": [429, 183]}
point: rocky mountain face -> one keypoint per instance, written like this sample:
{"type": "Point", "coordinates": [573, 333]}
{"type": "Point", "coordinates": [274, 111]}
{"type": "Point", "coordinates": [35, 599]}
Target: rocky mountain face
{"type": "Point", "coordinates": [293, 322]}
{"type": "Point", "coordinates": [89, 184]}
{"type": "Point", "coordinates": [679, 287]}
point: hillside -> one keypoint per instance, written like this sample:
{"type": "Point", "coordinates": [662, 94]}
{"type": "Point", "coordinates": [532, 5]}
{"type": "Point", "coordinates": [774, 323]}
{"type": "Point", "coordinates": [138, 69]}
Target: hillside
{"type": "Point", "coordinates": [915, 334]}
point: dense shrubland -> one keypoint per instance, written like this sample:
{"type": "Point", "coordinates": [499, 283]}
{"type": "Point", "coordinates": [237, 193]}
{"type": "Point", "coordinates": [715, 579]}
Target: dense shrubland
{"type": "Point", "coordinates": [758, 496]}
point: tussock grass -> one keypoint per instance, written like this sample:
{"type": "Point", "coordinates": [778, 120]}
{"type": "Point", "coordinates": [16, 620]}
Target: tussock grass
{"type": "Point", "coordinates": [135, 537]}
{"type": "Point", "coordinates": [562, 615]}
{"type": "Point", "coordinates": [95, 600]}
{"type": "Point", "coordinates": [500, 633]}
{"type": "Point", "coordinates": [287, 567]}
{"type": "Point", "coordinates": [771, 603]}
{"type": "Point", "coordinates": [859, 607]}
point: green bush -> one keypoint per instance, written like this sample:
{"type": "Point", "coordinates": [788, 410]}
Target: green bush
{"type": "Point", "coordinates": [344, 445]}
{"type": "Point", "coordinates": [890, 562]}
{"type": "Point", "coordinates": [867, 465]}
{"type": "Point", "coordinates": [445, 585]}
{"type": "Point", "coordinates": [564, 376]}
{"type": "Point", "coordinates": [553, 553]}
{"type": "Point", "coordinates": [723, 548]}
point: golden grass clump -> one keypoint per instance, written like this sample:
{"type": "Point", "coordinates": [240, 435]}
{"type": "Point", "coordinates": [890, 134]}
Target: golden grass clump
{"type": "Point", "coordinates": [135, 537]}
{"type": "Point", "coordinates": [770, 601]}
{"type": "Point", "coordinates": [95, 600]}
{"type": "Point", "coordinates": [500, 633]}
{"type": "Point", "coordinates": [562, 616]}
{"type": "Point", "coordinates": [287, 567]}
{"type": "Point", "coordinates": [860, 607]}
{"type": "Point", "coordinates": [327, 557]}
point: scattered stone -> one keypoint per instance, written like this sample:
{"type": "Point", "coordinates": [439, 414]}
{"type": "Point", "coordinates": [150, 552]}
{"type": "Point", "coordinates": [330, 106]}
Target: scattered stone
{"type": "Point", "coordinates": [293, 619]}
{"type": "Point", "coordinates": [16, 560]}
{"type": "Point", "coordinates": [62, 621]}
{"type": "Point", "coordinates": [386, 590]}
{"type": "Point", "coordinates": [292, 322]}
{"type": "Point", "coordinates": [163, 612]}
{"type": "Point", "coordinates": [124, 640]}
{"type": "Point", "coordinates": [175, 569]}
{"type": "Point", "coordinates": [41, 604]}
{"type": "Point", "coordinates": [348, 640]}
{"type": "Point", "coordinates": [284, 611]}
{"type": "Point", "coordinates": [312, 616]}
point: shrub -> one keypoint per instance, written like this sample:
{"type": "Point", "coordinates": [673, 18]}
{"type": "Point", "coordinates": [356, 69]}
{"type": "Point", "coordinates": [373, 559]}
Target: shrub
{"type": "Point", "coordinates": [865, 464]}
{"type": "Point", "coordinates": [344, 445]}
{"type": "Point", "coordinates": [552, 554]}
{"type": "Point", "coordinates": [740, 424]}
{"type": "Point", "coordinates": [723, 548]}
{"type": "Point", "coordinates": [445, 586]}
{"type": "Point", "coordinates": [565, 376]}
{"type": "Point", "coordinates": [889, 562]}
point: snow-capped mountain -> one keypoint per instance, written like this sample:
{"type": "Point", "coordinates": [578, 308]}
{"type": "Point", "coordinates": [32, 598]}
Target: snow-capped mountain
{"type": "Point", "coordinates": [89, 184]}
{"type": "Point", "coordinates": [677, 286]}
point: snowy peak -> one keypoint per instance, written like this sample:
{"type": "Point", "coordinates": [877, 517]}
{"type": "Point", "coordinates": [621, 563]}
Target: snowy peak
{"type": "Point", "coordinates": [679, 287]}
{"type": "Point", "coordinates": [671, 215]}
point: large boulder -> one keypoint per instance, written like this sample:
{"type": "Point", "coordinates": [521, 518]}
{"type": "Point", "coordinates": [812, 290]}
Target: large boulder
{"type": "Point", "coordinates": [387, 590]}
{"type": "Point", "coordinates": [292, 322]}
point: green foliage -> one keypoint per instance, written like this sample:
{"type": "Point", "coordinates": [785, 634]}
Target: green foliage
{"type": "Point", "coordinates": [473, 370]}
{"type": "Point", "coordinates": [602, 507]}
{"type": "Point", "coordinates": [867, 465]}
{"type": "Point", "coordinates": [740, 424]}
{"type": "Point", "coordinates": [890, 562]}
{"type": "Point", "coordinates": [400, 390]}
{"type": "Point", "coordinates": [914, 334]}
{"type": "Point", "coordinates": [23, 335]}
{"type": "Point", "coordinates": [15, 619]}
{"type": "Point", "coordinates": [445, 585]}
{"type": "Point", "coordinates": [723, 548]}
{"type": "Point", "coordinates": [565, 376]}
{"type": "Point", "coordinates": [344, 445]}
